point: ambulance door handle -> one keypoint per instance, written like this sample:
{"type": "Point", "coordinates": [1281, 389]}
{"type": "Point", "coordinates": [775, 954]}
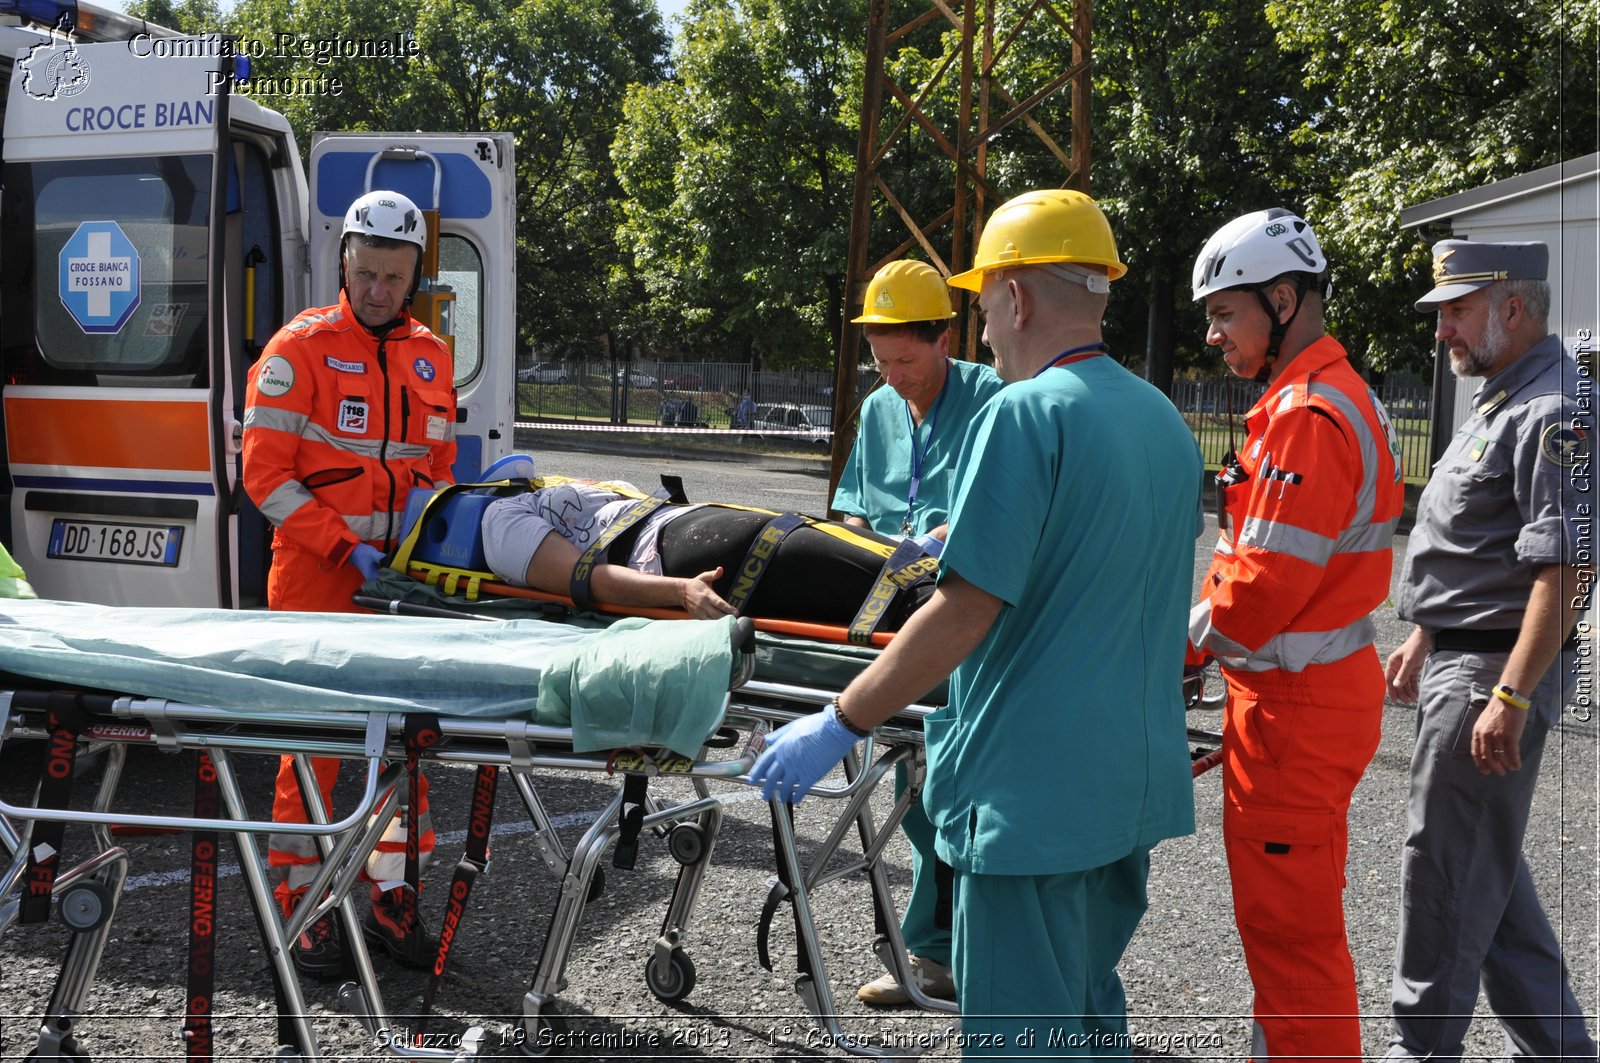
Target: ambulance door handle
{"type": "Point", "coordinates": [235, 436]}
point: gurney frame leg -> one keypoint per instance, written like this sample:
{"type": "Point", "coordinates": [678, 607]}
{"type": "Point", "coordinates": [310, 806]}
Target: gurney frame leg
{"type": "Point", "coordinates": [87, 898]}
{"type": "Point", "coordinates": [548, 979]}
{"type": "Point", "coordinates": [669, 974]}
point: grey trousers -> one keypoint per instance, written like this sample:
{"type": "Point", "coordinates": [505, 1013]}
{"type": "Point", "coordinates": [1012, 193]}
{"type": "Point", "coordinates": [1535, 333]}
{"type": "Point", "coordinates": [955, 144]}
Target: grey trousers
{"type": "Point", "coordinates": [1469, 906]}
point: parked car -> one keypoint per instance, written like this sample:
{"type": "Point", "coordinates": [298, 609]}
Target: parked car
{"type": "Point", "coordinates": [813, 424]}
{"type": "Point", "coordinates": [637, 378]}
{"type": "Point", "coordinates": [543, 373]}
{"type": "Point", "coordinates": [686, 382]}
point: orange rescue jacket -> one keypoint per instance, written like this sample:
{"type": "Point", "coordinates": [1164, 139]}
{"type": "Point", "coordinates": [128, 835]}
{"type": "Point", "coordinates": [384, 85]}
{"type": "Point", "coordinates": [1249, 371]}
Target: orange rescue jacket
{"type": "Point", "coordinates": [1304, 557]}
{"type": "Point", "coordinates": [340, 425]}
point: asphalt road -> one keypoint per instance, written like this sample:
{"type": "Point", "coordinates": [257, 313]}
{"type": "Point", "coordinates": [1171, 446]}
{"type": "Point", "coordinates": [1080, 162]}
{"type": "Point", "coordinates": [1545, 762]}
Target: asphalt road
{"type": "Point", "coordinates": [1188, 989]}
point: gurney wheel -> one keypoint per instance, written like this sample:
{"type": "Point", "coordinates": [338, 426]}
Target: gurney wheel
{"type": "Point", "coordinates": [676, 982]}
{"type": "Point", "coordinates": [545, 1038]}
{"type": "Point", "coordinates": [597, 885]}
{"type": "Point", "coordinates": [85, 906]}
{"type": "Point", "coordinates": [687, 844]}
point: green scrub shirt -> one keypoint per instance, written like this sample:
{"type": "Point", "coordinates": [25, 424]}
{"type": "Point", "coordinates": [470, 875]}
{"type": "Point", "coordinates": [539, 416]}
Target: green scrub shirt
{"type": "Point", "coordinates": [1064, 745]}
{"type": "Point", "coordinates": [877, 478]}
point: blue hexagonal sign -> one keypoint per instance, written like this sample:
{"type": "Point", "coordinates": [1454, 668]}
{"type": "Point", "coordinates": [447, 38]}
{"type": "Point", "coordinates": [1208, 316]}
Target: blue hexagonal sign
{"type": "Point", "coordinates": [100, 277]}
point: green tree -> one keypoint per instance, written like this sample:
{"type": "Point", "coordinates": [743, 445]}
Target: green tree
{"type": "Point", "coordinates": [1418, 99]}
{"type": "Point", "coordinates": [738, 174]}
{"type": "Point", "coordinates": [1192, 103]}
{"type": "Point", "coordinates": [186, 16]}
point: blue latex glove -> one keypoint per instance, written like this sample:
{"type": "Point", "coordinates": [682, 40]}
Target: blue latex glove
{"type": "Point", "coordinates": [799, 754]}
{"type": "Point", "coordinates": [369, 559]}
{"type": "Point", "coordinates": [931, 545]}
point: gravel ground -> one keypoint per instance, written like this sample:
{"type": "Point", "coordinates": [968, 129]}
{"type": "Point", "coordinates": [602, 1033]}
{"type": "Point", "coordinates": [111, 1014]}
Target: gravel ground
{"type": "Point", "coordinates": [1188, 990]}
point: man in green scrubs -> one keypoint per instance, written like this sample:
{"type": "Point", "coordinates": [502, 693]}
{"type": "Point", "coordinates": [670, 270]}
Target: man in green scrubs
{"type": "Point", "coordinates": [900, 480]}
{"type": "Point", "coordinates": [1062, 608]}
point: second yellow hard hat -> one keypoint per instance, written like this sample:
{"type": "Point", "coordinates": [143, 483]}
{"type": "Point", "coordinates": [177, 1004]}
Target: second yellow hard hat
{"type": "Point", "coordinates": [905, 291]}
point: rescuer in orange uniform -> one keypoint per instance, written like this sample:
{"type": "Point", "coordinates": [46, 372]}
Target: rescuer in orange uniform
{"type": "Point", "coordinates": [350, 407]}
{"type": "Point", "coordinates": [1303, 558]}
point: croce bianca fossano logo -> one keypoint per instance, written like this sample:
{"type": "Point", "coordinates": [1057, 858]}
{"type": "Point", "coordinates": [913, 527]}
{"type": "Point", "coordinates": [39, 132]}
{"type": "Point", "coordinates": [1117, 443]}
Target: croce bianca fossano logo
{"type": "Point", "coordinates": [55, 69]}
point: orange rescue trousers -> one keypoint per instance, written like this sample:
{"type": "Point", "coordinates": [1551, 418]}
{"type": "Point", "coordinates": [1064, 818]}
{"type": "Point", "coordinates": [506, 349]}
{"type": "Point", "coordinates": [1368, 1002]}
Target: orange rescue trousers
{"type": "Point", "coordinates": [1294, 747]}
{"type": "Point", "coordinates": [298, 856]}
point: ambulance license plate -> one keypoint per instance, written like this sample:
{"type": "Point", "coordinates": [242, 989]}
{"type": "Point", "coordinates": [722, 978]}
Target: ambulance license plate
{"type": "Point", "coordinates": [128, 544]}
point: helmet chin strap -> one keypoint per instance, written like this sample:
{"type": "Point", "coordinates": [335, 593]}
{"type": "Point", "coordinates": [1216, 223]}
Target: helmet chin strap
{"type": "Point", "coordinates": [1279, 328]}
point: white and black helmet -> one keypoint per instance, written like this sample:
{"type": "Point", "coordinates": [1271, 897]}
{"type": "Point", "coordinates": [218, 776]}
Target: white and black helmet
{"type": "Point", "coordinates": [389, 215]}
{"type": "Point", "coordinates": [1257, 248]}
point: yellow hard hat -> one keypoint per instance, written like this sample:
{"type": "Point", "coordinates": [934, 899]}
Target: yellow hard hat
{"type": "Point", "coordinates": [905, 291]}
{"type": "Point", "coordinates": [1049, 225]}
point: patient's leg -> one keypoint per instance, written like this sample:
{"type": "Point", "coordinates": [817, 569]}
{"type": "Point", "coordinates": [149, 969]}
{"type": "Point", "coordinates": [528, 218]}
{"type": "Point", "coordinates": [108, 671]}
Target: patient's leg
{"type": "Point", "coordinates": [814, 576]}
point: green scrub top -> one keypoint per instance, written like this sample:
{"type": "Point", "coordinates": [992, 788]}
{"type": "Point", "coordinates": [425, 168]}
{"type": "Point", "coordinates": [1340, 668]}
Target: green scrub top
{"type": "Point", "coordinates": [1064, 745]}
{"type": "Point", "coordinates": [877, 478]}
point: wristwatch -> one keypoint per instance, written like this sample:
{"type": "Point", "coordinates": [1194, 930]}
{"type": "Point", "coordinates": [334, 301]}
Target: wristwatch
{"type": "Point", "coordinates": [1508, 694]}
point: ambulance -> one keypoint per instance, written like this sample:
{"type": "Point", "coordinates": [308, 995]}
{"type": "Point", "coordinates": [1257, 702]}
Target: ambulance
{"type": "Point", "coordinates": [158, 229]}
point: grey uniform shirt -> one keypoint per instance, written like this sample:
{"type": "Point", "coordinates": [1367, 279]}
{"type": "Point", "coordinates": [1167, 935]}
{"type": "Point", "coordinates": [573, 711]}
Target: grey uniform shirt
{"type": "Point", "coordinates": [1512, 494]}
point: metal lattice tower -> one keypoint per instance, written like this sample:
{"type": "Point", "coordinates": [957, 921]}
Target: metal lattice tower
{"type": "Point", "coordinates": [987, 107]}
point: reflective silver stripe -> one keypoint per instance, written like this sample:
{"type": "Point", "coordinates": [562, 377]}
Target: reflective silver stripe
{"type": "Point", "coordinates": [1295, 651]}
{"type": "Point", "coordinates": [284, 501]}
{"type": "Point", "coordinates": [334, 316]}
{"type": "Point", "coordinates": [372, 527]}
{"type": "Point", "coordinates": [1287, 539]}
{"type": "Point", "coordinates": [1360, 539]}
{"type": "Point", "coordinates": [387, 867]}
{"type": "Point", "coordinates": [366, 448]}
{"type": "Point", "coordinates": [1367, 496]}
{"type": "Point", "coordinates": [1205, 635]}
{"type": "Point", "coordinates": [302, 846]}
{"type": "Point", "coordinates": [290, 495]}
{"type": "Point", "coordinates": [276, 419]}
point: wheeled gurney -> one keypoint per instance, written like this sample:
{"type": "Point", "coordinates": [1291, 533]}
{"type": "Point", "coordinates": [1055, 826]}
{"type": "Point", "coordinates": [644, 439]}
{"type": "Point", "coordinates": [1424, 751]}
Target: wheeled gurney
{"type": "Point", "coordinates": [352, 687]}
{"type": "Point", "coordinates": [794, 675]}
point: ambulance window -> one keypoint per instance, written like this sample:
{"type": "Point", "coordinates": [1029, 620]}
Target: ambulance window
{"type": "Point", "coordinates": [107, 271]}
{"type": "Point", "coordinates": [461, 268]}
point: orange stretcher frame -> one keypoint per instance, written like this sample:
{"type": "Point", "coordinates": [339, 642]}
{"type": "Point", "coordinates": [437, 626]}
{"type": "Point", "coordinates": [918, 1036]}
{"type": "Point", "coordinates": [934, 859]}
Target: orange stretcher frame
{"type": "Point", "coordinates": [800, 628]}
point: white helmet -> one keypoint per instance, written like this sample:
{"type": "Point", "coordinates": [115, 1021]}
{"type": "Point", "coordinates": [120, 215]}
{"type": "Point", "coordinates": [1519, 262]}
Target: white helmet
{"type": "Point", "coordinates": [1252, 250]}
{"type": "Point", "coordinates": [387, 214]}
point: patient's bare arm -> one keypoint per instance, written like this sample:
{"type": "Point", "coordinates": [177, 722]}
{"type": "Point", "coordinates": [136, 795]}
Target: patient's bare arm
{"type": "Point", "coordinates": [551, 570]}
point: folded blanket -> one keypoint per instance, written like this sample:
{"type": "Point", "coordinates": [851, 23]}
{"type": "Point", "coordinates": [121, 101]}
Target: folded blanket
{"type": "Point", "coordinates": [640, 682]}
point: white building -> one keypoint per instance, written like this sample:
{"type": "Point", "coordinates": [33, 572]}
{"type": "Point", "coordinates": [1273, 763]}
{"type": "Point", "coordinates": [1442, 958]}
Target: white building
{"type": "Point", "coordinates": [1559, 205]}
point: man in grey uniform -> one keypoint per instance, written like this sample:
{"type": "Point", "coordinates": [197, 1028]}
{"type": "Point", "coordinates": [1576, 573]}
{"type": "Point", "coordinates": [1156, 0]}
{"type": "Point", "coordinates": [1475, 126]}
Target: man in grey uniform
{"type": "Point", "coordinates": [1492, 582]}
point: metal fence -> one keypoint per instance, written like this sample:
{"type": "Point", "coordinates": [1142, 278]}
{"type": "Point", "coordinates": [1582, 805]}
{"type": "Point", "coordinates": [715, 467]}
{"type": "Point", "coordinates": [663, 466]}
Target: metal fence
{"type": "Point", "coordinates": [799, 403]}
{"type": "Point", "coordinates": [683, 395]}
{"type": "Point", "coordinates": [1205, 405]}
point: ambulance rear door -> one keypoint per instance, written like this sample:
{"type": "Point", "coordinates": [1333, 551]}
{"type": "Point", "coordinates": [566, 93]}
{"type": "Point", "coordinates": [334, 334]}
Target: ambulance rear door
{"type": "Point", "coordinates": [122, 316]}
{"type": "Point", "coordinates": [468, 295]}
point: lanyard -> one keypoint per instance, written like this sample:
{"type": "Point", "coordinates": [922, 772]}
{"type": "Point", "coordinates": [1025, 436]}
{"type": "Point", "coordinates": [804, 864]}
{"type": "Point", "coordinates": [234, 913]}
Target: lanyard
{"type": "Point", "coordinates": [920, 452]}
{"type": "Point", "coordinates": [1074, 354]}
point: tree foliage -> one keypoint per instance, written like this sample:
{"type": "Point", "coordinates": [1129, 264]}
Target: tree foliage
{"type": "Point", "coordinates": [551, 72]}
{"type": "Point", "coordinates": [1190, 129]}
{"type": "Point", "coordinates": [701, 205]}
{"type": "Point", "coordinates": [1412, 100]}
{"type": "Point", "coordinates": [738, 174]}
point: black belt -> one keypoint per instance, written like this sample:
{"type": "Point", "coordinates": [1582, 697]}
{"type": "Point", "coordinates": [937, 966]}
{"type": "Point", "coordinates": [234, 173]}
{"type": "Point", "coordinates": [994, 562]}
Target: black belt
{"type": "Point", "coordinates": [1492, 640]}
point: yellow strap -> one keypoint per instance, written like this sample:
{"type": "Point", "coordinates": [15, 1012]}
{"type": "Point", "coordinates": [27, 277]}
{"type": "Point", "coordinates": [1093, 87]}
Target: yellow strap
{"type": "Point", "coordinates": [843, 532]}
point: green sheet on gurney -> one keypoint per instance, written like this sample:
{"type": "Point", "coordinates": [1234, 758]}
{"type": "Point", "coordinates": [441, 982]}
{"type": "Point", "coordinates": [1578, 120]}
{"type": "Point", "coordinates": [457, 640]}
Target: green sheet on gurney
{"type": "Point", "coordinates": [779, 658]}
{"type": "Point", "coordinates": [638, 682]}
